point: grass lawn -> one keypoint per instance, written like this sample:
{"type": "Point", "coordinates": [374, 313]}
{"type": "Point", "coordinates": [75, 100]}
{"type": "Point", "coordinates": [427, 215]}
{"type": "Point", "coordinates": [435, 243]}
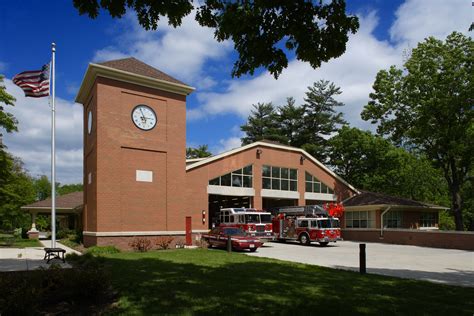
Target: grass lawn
{"type": "Point", "coordinates": [72, 244]}
{"type": "Point", "coordinates": [11, 242]}
{"type": "Point", "coordinates": [214, 282]}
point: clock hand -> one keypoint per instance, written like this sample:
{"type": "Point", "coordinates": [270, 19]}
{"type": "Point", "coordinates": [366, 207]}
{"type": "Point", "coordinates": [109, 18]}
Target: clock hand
{"type": "Point", "coordinates": [143, 115]}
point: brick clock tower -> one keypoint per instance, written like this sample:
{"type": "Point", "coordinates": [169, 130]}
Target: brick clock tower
{"type": "Point", "coordinates": [134, 152]}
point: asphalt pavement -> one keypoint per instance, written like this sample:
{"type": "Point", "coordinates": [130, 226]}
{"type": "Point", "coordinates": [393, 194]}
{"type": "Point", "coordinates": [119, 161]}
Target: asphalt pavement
{"type": "Point", "coordinates": [447, 266]}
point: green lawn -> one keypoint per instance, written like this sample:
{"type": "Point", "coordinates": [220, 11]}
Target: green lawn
{"type": "Point", "coordinates": [215, 282]}
{"type": "Point", "coordinates": [11, 242]}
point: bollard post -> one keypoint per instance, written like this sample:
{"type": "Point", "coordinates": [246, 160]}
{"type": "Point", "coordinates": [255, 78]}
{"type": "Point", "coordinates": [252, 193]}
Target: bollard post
{"type": "Point", "coordinates": [362, 265]}
{"type": "Point", "coordinates": [229, 244]}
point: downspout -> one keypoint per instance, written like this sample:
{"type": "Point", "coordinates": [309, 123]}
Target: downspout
{"type": "Point", "coordinates": [381, 219]}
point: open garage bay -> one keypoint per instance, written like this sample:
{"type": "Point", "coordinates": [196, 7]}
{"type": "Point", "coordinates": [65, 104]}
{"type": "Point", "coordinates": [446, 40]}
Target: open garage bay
{"type": "Point", "coordinates": [449, 266]}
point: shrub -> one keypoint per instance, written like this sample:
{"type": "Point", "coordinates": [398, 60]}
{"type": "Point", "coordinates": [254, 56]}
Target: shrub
{"type": "Point", "coordinates": [180, 243]}
{"type": "Point", "coordinates": [17, 233]}
{"type": "Point", "coordinates": [202, 243]}
{"type": "Point", "coordinates": [164, 242]}
{"type": "Point", "coordinates": [34, 292]}
{"type": "Point", "coordinates": [140, 244]}
{"type": "Point", "coordinates": [64, 233]}
{"type": "Point", "coordinates": [102, 250]}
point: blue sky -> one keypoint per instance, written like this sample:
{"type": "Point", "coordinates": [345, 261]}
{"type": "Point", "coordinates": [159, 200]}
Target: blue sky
{"type": "Point", "coordinates": [220, 104]}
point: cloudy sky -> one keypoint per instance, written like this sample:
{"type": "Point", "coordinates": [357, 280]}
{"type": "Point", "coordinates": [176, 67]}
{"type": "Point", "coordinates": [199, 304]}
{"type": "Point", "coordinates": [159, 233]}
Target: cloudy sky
{"type": "Point", "coordinates": [220, 104]}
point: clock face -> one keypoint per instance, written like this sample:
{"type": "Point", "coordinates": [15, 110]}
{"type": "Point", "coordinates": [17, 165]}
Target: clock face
{"type": "Point", "coordinates": [89, 122]}
{"type": "Point", "coordinates": [144, 117]}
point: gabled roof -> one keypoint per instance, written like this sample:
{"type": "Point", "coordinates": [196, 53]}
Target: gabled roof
{"type": "Point", "coordinates": [130, 70]}
{"type": "Point", "coordinates": [366, 198]}
{"type": "Point", "coordinates": [138, 67]}
{"type": "Point", "coordinates": [68, 201]}
{"type": "Point", "coordinates": [269, 145]}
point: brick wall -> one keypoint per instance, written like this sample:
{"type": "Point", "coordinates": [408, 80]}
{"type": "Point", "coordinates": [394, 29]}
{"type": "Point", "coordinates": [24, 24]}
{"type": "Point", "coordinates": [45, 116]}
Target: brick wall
{"type": "Point", "coordinates": [435, 239]}
{"type": "Point", "coordinates": [123, 242]}
{"type": "Point", "coordinates": [197, 178]}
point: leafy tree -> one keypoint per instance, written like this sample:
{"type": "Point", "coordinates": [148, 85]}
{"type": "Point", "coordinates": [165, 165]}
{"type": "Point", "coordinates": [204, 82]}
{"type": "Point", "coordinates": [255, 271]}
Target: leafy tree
{"type": "Point", "coordinates": [7, 120]}
{"type": "Point", "coordinates": [427, 106]}
{"type": "Point", "coordinates": [69, 188]}
{"type": "Point", "coordinates": [372, 163]}
{"type": "Point", "coordinates": [262, 123]}
{"type": "Point", "coordinates": [16, 190]}
{"type": "Point", "coordinates": [321, 119]}
{"type": "Point", "coordinates": [42, 187]}
{"type": "Point", "coordinates": [201, 151]}
{"type": "Point", "coordinates": [290, 122]}
{"type": "Point", "coordinates": [262, 31]}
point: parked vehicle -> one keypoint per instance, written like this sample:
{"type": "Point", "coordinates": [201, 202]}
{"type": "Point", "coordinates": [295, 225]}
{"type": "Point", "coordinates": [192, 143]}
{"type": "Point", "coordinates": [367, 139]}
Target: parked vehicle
{"type": "Point", "coordinates": [306, 224]}
{"type": "Point", "coordinates": [218, 237]}
{"type": "Point", "coordinates": [254, 222]}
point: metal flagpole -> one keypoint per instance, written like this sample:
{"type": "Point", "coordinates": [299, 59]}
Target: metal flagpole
{"type": "Point", "coordinates": [53, 149]}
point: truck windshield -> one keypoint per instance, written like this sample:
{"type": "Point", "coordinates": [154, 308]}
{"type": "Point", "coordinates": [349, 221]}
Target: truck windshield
{"type": "Point", "coordinates": [266, 218]}
{"type": "Point", "coordinates": [325, 223]}
{"type": "Point", "coordinates": [252, 218]}
{"type": "Point", "coordinates": [335, 223]}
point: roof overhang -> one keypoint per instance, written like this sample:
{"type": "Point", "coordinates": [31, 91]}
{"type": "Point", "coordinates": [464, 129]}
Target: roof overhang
{"type": "Point", "coordinates": [44, 209]}
{"type": "Point", "coordinates": [394, 207]}
{"type": "Point", "coordinates": [269, 145]}
{"type": "Point", "coordinates": [96, 70]}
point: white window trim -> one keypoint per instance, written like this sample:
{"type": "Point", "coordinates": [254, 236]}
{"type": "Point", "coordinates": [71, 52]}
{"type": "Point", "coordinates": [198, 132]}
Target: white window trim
{"type": "Point", "coordinates": [280, 194]}
{"type": "Point", "coordinates": [224, 190]}
{"type": "Point", "coordinates": [320, 196]}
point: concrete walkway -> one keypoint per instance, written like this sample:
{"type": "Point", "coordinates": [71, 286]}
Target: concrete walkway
{"type": "Point", "coordinates": [31, 258]}
{"type": "Point", "coordinates": [448, 266]}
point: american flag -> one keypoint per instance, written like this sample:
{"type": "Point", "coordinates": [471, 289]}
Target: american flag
{"type": "Point", "coordinates": [34, 83]}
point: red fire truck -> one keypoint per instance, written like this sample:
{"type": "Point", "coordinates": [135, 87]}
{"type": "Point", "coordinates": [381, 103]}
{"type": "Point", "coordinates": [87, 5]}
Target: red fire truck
{"type": "Point", "coordinates": [306, 224]}
{"type": "Point", "coordinates": [254, 222]}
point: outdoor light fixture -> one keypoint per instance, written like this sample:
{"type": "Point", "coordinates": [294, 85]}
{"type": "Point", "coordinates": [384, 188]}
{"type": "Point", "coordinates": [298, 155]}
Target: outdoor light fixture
{"type": "Point", "coordinates": [302, 158]}
{"type": "Point", "coordinates": [259, 152]}
{"type": "Point", "coordinates": [204, 217]}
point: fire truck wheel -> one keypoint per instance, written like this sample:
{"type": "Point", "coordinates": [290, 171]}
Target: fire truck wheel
{"type": "Point", "coordinates": [304, 239]}
{"type": "Point", "coordinates": [324, 244]}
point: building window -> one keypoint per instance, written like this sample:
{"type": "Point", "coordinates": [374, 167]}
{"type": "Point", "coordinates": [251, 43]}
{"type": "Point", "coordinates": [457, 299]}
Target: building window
{"type": "Point", "coordinates": [279, 178]}
{"type": "Point", "coordinates": [241, 178]}
{"type": "Point", "coordinates": [360, 219]}
{"type": "Point", "coordinates": [429, 219]}
{"type": "Point", "coordinates": [392, 219]}
{"type": "Point", "coordinates": [312, 184]}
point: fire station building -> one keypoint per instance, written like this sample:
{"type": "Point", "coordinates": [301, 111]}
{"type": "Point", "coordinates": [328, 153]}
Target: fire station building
{"type": "Point", "coordinates": [137, 181]}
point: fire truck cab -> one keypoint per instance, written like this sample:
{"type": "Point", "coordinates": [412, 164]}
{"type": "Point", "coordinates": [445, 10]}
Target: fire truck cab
{"type": "Point", "coordinates": [254, 222]}
{"type": "Point", "coordinates": [306, 224]}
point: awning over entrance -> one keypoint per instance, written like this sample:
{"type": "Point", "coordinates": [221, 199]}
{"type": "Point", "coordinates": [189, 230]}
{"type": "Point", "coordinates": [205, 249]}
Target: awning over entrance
{"type": "Point", "coordinates": [67, 204]}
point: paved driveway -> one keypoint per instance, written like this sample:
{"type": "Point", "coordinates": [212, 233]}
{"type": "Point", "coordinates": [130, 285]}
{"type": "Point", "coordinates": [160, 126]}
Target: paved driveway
{"type": "Point", "coordinates": [447, 266]}
{"type": "Point", "coordinates": [31, 258]}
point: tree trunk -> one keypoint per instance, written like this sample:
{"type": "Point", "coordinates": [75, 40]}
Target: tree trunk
{"type": "Point", "coordinates": [456, 203]}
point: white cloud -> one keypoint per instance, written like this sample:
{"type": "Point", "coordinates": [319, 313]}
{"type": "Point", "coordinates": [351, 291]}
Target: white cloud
{"type": "Point", "coordinates": [32, 143]}
{"type": "Point", "coordinates": [354, 71]}
{"type": "Point", "coordinates": [181, 52]}
{"type": "Point", "coordinates": [226, 144]}
{"type": "Point", "coordinates": [417, 19]}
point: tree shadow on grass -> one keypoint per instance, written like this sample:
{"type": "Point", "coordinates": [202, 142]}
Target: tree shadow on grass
{"type": "Point", "coordinates": [237, 284]}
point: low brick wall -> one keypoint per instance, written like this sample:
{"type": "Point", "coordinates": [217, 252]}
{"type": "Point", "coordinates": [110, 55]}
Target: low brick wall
{"type": "Point", "coordinates": [435, 239]}
{"type": "Point", "coordinates": [123, 242]}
